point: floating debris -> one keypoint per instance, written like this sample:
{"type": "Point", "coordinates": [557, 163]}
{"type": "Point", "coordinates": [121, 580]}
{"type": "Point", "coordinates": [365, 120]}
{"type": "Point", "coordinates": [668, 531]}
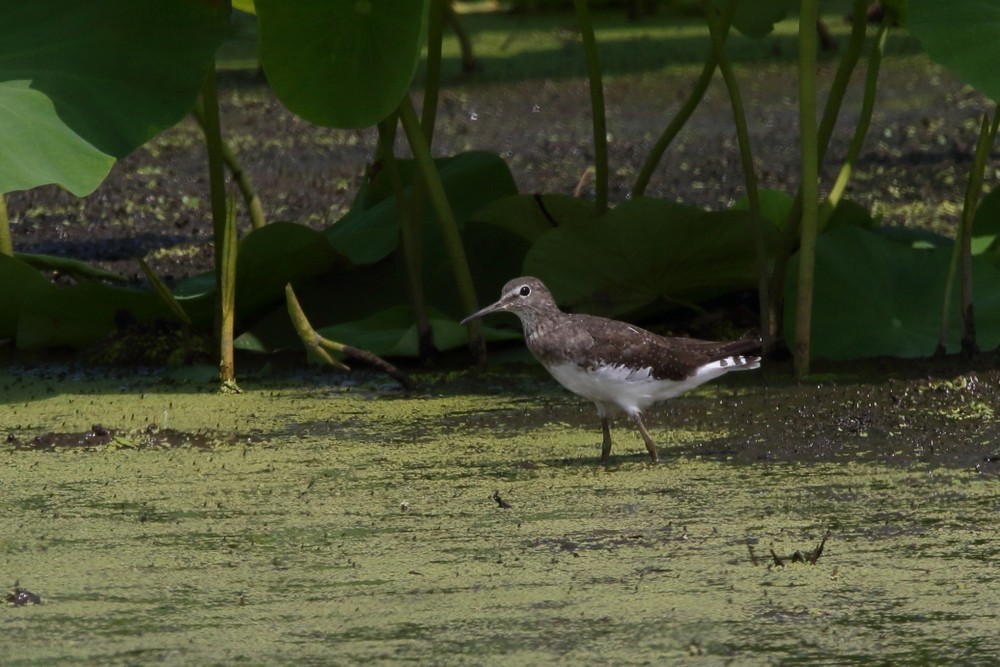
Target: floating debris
{"type": "Point", "coordinates": [500, 501]}
{"type": "Point", "coordinates": [798, 557]}
{"type": "Point", "coordinates": [20, 597]}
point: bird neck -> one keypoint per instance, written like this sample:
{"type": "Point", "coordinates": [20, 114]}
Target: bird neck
{"type": "Point", "coordinates": [537, 322]}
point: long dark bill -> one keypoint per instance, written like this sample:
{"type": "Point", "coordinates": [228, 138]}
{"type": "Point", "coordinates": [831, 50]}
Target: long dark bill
{"type": "Point", "coordinates": [492, 308]}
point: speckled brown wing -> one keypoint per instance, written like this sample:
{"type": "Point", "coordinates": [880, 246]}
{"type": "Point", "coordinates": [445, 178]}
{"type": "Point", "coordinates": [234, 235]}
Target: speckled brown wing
{"type": "Point", "coordinates": [590, 341]}
{"type": "Point", "coordinates": [715, 350]}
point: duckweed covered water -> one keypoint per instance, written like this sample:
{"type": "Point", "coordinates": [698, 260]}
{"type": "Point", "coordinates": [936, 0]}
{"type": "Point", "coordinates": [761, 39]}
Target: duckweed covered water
{"type": "Point", "coordinates": [309, 523]}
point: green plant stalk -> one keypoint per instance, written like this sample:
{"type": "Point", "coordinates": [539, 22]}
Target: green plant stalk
{"type": "Point", "coordinates": [432, 86]}
{"type": "Point", "coordinates": [307, 334]}
{"type": "Point", "coordinates": [446, 218]}
{"type": "Point", "coordinates": [860, 130]}
{"type": "Point", "coordinates": [680, 119]}
{"type": "Point", "coordinates": [6, 244]}
{"type": "Point", "coordinates": [239, 174]}
{"type": "Point", "coordinates": [223, 232]}
{"type": "Point", "coordinates": [409, 232]}
{"type": "Point", "coordinates": [161, 290]}
{"type": "Point", "coordinates": [842, 78]}
{"type": "Point", "coordinates": [961, 254]}
{"type": "Point", "coordinates": [596, 106]}
{"type": "Point", "coordinates": [322, 347]}
{"type": "Point", "coordinates": [834, 101]}
{"type": "Point", "coordinates": [809, 143]}
{"type": "Point", "coordinates": [468, 57]}
{"type": "Point", "coordinates": [412, 211]}
{"type": "Point", "coordinates": [227, 300]}
{"type": "Point", "coordinates": [743, 138]}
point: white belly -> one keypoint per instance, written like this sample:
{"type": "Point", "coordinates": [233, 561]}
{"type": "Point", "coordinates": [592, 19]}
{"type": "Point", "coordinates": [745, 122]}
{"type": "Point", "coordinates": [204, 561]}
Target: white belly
{"type": "Point", "coordinates": [634, 390]}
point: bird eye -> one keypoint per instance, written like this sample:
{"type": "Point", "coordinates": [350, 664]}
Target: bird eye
{"type": "Point", "coordinates": [524, 291]}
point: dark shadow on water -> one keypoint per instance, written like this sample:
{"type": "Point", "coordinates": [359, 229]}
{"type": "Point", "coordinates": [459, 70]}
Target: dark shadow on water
{"type": "Point", "coordinates": [105, 249]}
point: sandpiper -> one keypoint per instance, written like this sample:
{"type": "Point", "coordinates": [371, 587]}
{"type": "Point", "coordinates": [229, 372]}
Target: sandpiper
{"type": "Point", "coordinates": [616, 365]}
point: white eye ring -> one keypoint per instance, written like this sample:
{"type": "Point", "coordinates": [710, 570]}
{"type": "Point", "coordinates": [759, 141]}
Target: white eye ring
{"type": "Point", "coordinates": [524, 291]}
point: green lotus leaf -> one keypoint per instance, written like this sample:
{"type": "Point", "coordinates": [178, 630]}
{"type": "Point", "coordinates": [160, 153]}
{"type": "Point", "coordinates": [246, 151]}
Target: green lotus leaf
{"type": "Point", "coordinates": [82, 314]}
{"type": "Point", "coordinates": [269, 258]}
{"type": "Point", "coordinates": [962, 36]}
{"type": "Point", "coordinates": [646, 251]}
{"type": "Point", "coordinates": [340, 64]}
{"type": "Point", "coordinates": [83, 83]}
{"type": "Point", "coordinates": [19, 284]}
{"type": "Point", "coordinates": [756, 18]}
{"type": "Point", "coordinates": [370, 230]}
{"type": "Point", "coordinates": [878, 297]}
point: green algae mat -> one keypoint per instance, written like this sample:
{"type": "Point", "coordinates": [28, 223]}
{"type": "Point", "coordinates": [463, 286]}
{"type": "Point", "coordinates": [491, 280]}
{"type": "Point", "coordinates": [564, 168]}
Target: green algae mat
{"type": "Point", "coordinates": [313, 521]}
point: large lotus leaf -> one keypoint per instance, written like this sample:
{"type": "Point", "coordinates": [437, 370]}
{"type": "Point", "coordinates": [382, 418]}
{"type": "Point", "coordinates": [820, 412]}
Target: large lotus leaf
{"type": "Point", "coordinates": [962, 36]}
{"type": "Point", "coordinates": [273, 256]}
{"type": "Point", "coordinates": [48, 150]}
{"type": "Point", "coordinates": [878, 297]}
{"type": "Point", "coordinates": [986, 224]}
{"type": "Point", "coordinates": [329, 299]}
{"type": "Point", "coordinates": [370, 230]}
{"type": "Point", "coordinates": [914, 237]}
{"type": "Point", "coordinates": [82, 314]}
{"type": "Point", "coordinates": [495, 255]}
{"type": "Point", "coordinates": [530, 216]}
{"type": "Point", "coordinates": [269, 258]}
{"type": "Point", "coordinates": [368, 236]}
{"type": "Point", "coordinates": [19, 284]}
{"type": "Point", "coordinates": [775, 206]}
{"type": "Point", "coordinates": [340, 64]}
{"type": "Point", "coordinates": [82, 83]}
{"type": "Point", "coordinates": [393, 333]}
{"type": "Point", "coordinates": [985, 229]}
{"type": "Point", "coordinates": [643, 251]}
{"type": "Point", "coordinates": [849, 213]}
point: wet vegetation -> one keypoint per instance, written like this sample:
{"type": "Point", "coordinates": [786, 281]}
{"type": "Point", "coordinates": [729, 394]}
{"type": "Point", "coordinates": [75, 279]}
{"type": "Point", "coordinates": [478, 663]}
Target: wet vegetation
{"type": "Point", "coordinates": [471, 522]}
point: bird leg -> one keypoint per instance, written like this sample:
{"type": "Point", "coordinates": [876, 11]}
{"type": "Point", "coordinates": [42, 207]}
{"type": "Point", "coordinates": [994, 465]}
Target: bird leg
{"type": "Point", "coordinates": [606, 444]}
{"type": "Point", "coordinates": [650, 445]}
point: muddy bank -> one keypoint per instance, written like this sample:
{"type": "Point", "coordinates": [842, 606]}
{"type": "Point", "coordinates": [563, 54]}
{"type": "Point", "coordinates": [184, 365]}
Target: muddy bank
{"type": "Point", "coordinates": [939, 412]}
